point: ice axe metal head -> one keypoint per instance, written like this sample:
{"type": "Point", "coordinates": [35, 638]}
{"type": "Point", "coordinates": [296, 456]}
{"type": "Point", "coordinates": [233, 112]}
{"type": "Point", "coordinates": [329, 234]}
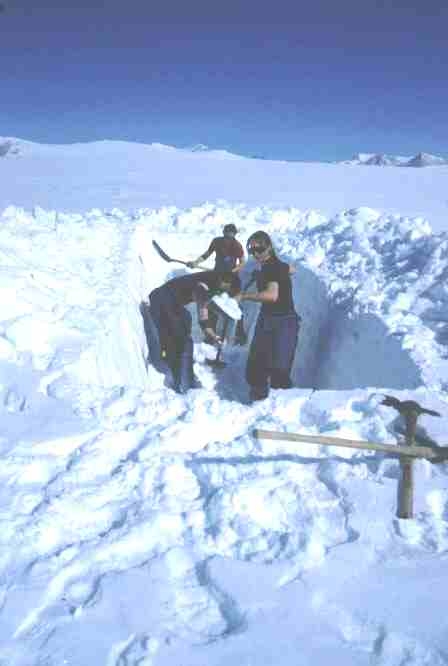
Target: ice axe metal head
{"type": "Point", "coordinates": [407, 407]}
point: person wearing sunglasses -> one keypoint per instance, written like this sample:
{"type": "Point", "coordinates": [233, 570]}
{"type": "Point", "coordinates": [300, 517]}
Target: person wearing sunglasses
{"type": "Point", "coordinates": [273, 346]}
{"type": "Point", "coordinates": [173, 321]}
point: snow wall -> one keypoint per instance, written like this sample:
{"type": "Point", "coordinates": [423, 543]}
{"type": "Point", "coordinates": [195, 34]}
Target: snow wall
{"type": "Point", "coordinates": [341, 350]}
{"type": "Point", "coordinates": [110, 267]}
{"type": "Point", "coordinates": [337, 349]}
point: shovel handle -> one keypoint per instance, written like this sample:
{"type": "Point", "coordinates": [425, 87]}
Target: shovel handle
{"type": "Point", "coordinates": [169, 259]}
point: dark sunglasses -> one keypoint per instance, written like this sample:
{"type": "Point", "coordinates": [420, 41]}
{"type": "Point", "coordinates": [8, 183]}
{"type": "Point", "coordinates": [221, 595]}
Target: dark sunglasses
{"type": "Point", "coordinates": [256, 249]}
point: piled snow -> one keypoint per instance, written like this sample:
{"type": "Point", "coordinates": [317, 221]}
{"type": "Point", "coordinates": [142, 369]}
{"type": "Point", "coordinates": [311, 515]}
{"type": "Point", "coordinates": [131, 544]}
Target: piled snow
{"type": "Point", "coordinates": [71, 283]}
{"type": "Point", "coordinates": [137, 524]}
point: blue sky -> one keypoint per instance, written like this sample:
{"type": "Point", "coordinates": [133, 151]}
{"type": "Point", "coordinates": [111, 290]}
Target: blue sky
{"type": "Point", "coordinates": [278, 79]}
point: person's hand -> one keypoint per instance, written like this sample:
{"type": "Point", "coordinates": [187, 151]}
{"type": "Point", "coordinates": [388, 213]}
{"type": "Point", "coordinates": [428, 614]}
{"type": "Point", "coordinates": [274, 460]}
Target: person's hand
{"type": "Point", "coordinates": [211, 338]}
{"type": "Point", "coordinates": [191, 264]}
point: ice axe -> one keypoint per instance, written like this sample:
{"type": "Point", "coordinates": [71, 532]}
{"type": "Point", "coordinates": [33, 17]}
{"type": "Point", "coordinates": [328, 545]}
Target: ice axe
{"type": "Point", "coordinates": [166, 257]}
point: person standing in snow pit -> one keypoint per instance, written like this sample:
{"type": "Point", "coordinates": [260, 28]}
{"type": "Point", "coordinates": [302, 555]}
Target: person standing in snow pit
{"type": "Point", "coordinates": [229, 256]}
{"type": "Point", "coordinates": [229, 253]}
{"type": "Point", "coordinates": [173, 320]}
{"type": "Point", "coordinates": [273, 346]}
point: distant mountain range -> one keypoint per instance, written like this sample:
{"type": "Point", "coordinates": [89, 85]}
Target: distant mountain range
{"type": "Point", "coordinates": [198, 148]}
{"type": "Point", "coordinates": [8, 147]}
{"type": "Point", "coordinates": [381, 159]}
{"type": "Point", "coordinates": [12, 147]}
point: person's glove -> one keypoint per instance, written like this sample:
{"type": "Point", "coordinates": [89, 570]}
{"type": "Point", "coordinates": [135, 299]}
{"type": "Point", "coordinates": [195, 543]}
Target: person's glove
{"type": "Point", "coordinates": [191, 264]}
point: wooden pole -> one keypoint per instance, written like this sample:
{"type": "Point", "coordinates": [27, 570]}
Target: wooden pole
{"type": "Point", "coordinates": [406, 484]}
{"type": "Point", "coordinates": [406, 489]}
{"type": "Point", "coordinates": [407, 452]}
{"type": "Point", "coordinates": [391, 449]}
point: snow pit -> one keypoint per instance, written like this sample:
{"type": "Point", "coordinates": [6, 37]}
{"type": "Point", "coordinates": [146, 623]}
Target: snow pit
{"type": "Point", "coordinates": [360, 282]}
{"type": "Point", "coordinates": [121, 499]}
{"type": "Point", "coordinates": [356, 286]}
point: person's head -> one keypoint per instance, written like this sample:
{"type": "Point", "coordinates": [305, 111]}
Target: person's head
{"type": "Point", "coordinates": [230, 230]}
{"type": "Point", "coordinates": [259, 245]}
{"type": "Point", "coordinates": [230, 283]}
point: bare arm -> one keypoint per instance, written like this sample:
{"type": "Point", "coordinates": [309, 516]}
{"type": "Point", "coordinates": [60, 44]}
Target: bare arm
{"type": "Point", "coordinates": [268, 295]}
{"type": "Point", "coordinates": [203, 256]}
{"type": "Point", "coordinates": [201, 299]}
{"type": "Point", "coordinates": [240, 260]}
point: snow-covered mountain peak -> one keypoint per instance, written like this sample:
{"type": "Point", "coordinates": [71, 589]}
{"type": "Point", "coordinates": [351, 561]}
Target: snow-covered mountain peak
{"type": "Point", "coordinates": [10, 146]}
{"type": "Point", "coordinates": [426, 159]}
{"type": "Point", "coordinates": [383, 159]}
{"type": "Point", "coordinates": [198, 148]}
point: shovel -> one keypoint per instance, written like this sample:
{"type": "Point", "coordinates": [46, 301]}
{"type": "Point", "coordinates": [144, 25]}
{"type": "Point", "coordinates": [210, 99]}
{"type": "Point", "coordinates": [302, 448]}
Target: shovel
{"type": "Point", "coordinates": [166, 257]}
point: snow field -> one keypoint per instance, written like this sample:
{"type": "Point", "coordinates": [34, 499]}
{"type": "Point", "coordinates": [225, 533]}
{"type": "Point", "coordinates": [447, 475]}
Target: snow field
{"type": "Point", "coordinates": [130, 176]}
{"type": "Point", "coordinates": [112, 481]}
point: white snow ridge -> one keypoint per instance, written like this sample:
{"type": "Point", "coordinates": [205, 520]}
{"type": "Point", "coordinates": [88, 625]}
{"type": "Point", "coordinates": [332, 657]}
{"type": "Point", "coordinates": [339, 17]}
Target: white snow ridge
{"type": "Point", "coordinates": [141, 527]}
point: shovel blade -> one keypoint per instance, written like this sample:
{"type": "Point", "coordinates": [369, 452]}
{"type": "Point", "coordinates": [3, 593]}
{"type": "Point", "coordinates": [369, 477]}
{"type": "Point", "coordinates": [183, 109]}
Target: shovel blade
{"type": "Point", "coordinates": [161, 253]}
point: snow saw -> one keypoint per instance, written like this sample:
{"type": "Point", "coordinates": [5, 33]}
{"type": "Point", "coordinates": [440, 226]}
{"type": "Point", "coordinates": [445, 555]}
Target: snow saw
{"type": "Point", "coordinates": [229, 309]}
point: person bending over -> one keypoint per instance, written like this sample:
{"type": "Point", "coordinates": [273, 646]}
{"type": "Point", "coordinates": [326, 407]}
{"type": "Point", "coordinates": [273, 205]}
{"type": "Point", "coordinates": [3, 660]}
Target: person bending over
{"type": "Point", "coordinates": [273, 346]}
{"type": "Point", "coordinates": [173, 320]}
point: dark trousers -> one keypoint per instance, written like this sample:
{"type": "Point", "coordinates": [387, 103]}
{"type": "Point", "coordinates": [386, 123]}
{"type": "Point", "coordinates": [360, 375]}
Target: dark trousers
{"type": "Point", "coordinates": [173, 323]}
{"type": "Point", "coordinates": [271, 353]}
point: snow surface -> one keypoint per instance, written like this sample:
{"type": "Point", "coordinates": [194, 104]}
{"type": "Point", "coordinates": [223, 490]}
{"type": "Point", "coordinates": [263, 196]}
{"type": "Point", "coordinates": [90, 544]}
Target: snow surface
{"type": "Point", "coordinates": [117, 174]}
{"type": "Point", "coordinates": [144, 527]}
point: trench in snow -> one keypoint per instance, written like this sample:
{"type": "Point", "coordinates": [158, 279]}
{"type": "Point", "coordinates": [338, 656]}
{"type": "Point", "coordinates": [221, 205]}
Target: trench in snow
{"type": "Point", "coordinates": [337, 349]}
